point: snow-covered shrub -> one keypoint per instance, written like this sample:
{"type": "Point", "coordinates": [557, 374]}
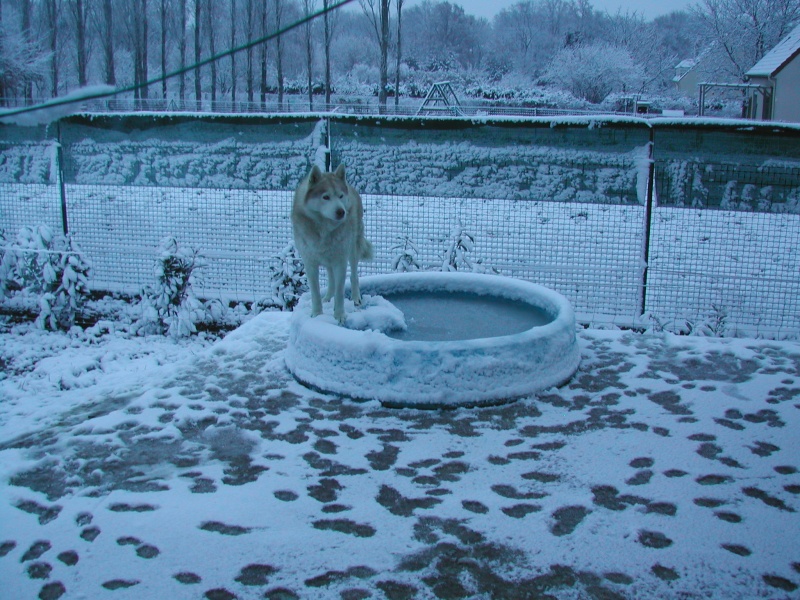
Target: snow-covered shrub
{"type": "Point", "coordinates": [287, 279]}
{"type": "Point", "coordinates": [48, 268]}
{"type": "Point", "coordinates": [458, 252]}
{"type": "Point", "coordinates": [7, 263]}
{"type": "Point", "coordinates": [714, 324]}
{"type": "Point", "coordinates": [406, 255]}
{"type": "Point", "coordinates": [171, 305]}
{"type": "Point", "coordinates": [593, 71]}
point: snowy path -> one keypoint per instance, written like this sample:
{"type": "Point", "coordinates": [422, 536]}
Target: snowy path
{"type": "Point", "coordinates": [667, 467]}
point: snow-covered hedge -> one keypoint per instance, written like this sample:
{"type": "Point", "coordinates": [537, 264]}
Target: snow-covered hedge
{"type": "Point", "coordinates": [28, 163]}
{"type": "Point", "coordinates": [516, 164]}
{"type": "Point", "coordinates": [209, 155]}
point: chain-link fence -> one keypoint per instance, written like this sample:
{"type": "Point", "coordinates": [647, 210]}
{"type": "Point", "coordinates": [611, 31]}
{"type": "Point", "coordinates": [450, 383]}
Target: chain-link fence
{"type": "Point", "coordinates": [675, 225]}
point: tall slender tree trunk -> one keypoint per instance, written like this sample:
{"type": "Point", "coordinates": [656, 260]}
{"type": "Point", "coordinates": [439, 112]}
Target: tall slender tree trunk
{"type": "Point", "coordinates": [182, 50]}
{"type": "Point", "coordinates": [399, 4]}
{"type": "Point", "coordinates": [144, 59]}
{"type": "Point", "coordinates": [233, 56]}
{"type": "Point", "coordinates": [198, 96]}
{"type": "Point", "coordinates": [80, 41]}
{"type": "Point", "coordinates": [249, 30]}
{"type": "Point", "coordinates": [264, 59]}
{"type": "Point", "coordinates": [108, 42]}
{"type": "Point", "coordinates": [2, 50]}
{"type": "Point", "coordinates": [26, 36]}
{"type": "Point", "coordinates": [52, 16]}
{"type": "Point", "coordinates": [140, 50]}
{"type": "Point", "coordinates": [309, 7]}
{"type": "Point", "coordinates": [327, 44]}
{"type": "Point", "coordinates": [137, 53]}
{"type": "Point", "coordinates": [380, 23]}
{"type": "Point", "coordinates": [163, 14]}
{"type": "Point", "coordinates": [279, 51]}
{"type": "Point", "coordinates": [384, 46]}
{"type": "Point", "coordinates": [212, 51]}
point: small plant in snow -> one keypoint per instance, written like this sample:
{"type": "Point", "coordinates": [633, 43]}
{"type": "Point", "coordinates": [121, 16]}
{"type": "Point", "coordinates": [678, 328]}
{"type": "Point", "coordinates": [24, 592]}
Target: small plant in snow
{"type": "Point", "coordinates": [288, 280]}
{"type": "Point", "coordinates": [407, 255]}
{"type": "Point", "coordinates": [457, 254]}
{"type": "Point", "coordinates": [49, 267]}
{"type": "Point", "coordinates": [7, 264]}
{"type": "Point", "coordinates": [715, 325]}
{"type": "Point", "coordinates": [171, 305]}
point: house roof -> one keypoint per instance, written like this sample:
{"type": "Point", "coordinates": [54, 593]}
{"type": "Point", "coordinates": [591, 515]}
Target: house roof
{"type": "Point", "coordinates": [777, 58]}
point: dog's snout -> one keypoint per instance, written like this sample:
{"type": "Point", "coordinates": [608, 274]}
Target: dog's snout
{"type": "Point", "coordinates": [340, 213]}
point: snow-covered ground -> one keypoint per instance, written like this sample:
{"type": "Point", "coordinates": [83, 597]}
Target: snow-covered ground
{"type": "Point", "coordinates": [148, 468]}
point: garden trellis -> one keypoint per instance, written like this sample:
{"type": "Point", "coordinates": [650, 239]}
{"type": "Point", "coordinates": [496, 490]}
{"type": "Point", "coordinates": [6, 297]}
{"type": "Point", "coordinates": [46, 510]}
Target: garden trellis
{"type": "Point", "coordinates": [676, 224]}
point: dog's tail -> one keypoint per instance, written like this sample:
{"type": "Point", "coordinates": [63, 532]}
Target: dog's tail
{"type": "Point", "coordinates": [365, 249]}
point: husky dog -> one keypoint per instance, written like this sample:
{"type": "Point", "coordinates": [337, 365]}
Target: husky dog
{"type": "Point", "coordinates": [327, 220]}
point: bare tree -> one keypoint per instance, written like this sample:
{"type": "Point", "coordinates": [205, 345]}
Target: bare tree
{"type": "Point", "coordinates": [198, 91]}
{"type": "Point", "coordinates": [26, 10]}
{"type": "Point", "coordinates": [79, 10]}
{"type": "Point", "coordinates": [23, 63]}
{"type": "Point", "coordinates": [536, 30]}
{"type": "Point", "coordinates": [744, 30]}
{"type": "Point", "coordinates": [249, 30]}
{"type": "Point", "coordinates": [52, 19]}
{"type": "Point", "coordinates": [139, 37]}
{"type": "Point", "coordinates": [182, 50]}
{"type": "Point", "coordinates": [212, 48]}
{"type": "Point", "coordinates": [330, 20]}
{"type": "Point", "coordinates": [264, 58]}
{"type": "Point", "coordinates": [279, 51]}
{"type": "Point", "coordinates": [309, 6]}
{"type": "Point", "coordinates": [399, 5]}
{"type": "Point", "coordinates": [593, 71]}
{"type": "Point", "coordinates": [377, 11]}
{"type": "Point", "coordinates": [233, 55]}
{"type": "Point", "coordinates": [163, 17]}
{"type": "Point", "coordinates": [108, 43]}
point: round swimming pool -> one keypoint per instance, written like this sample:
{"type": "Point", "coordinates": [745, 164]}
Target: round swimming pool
{"type": "Point", "coordinates": [438, 339]}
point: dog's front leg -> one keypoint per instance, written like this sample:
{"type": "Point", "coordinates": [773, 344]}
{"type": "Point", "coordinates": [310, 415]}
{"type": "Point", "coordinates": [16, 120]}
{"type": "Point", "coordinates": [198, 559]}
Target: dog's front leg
{"type": "Point", "coordinates": [355, 291]}
{"type": "Point", "coordinates": [313, 283]}
{"type": "Point", "coordinates": [329, 290]}
{"type": "Point", "coordinates": [338, 273]}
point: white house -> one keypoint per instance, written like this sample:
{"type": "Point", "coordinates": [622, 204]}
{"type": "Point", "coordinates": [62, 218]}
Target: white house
{"type": "Point", "coordinates": [778, 75]}
{"type": "Point", "coordinates": [686, 78]}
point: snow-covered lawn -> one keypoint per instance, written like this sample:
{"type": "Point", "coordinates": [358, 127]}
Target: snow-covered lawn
{"type": "Point", "coordinates": [149, 468]}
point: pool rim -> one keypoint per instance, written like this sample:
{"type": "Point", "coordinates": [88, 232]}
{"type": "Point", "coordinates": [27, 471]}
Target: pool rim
{"type": "Point", "coordinates": [323, 331]}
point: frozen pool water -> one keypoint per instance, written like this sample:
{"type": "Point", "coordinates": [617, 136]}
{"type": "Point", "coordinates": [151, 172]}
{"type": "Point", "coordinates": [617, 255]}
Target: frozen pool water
{"type": "Point", "coordinates": [449, 316]}
{"type": "Point", "coordinates": [431, 339]}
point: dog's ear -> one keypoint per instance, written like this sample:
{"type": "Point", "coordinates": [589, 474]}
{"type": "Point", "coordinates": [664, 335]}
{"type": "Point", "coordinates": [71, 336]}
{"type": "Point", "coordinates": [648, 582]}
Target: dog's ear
{"type": "Point", "coordinates": [340, 172]}
{"type": "Point", "coordinates": [315, 175]}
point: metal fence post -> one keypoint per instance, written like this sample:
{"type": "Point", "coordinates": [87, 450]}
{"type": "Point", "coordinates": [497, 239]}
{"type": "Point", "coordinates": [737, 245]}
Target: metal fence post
{"type": "Point", "coordinates": [60, 175]}
{"type": "Point", "coordinates": [648, 214]}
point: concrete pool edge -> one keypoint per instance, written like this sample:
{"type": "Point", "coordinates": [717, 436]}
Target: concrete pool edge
{"type": "Point", "coordinates": [369, 365]}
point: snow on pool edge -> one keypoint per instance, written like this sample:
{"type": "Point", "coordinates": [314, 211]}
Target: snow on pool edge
{"type": "Point", "coordinates": [368, 365]}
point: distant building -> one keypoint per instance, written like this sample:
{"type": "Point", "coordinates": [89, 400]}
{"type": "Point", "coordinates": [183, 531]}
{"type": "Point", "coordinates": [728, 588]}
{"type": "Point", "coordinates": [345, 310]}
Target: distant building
{"type": "Point", "coordinates": [686, 78]}
{"type": "Point", "coordinates": [778, 74]}
{"type": "Point", "coordinates": [690, 72]}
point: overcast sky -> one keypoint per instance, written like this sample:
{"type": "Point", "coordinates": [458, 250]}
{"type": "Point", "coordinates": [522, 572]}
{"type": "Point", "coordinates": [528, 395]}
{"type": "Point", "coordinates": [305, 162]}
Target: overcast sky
{"type": "Point", "coordinates": [647, 8]}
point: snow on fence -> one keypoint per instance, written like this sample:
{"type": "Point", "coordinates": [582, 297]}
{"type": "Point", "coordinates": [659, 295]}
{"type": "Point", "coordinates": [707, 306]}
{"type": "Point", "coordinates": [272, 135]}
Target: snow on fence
{"type": "Point", "coordinates": [681, 225]}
